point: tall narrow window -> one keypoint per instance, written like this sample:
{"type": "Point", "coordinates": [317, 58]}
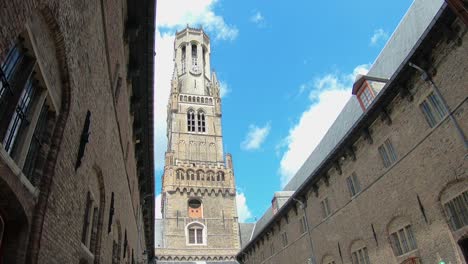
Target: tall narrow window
{"type": "Point", "coordinates": [191, 121]}
{"type": "Point", "coordinates": [433, 109]}
{"type": "Point", "coordinates": [183, 60]}
{"type": "Point", "coordinates": [325, 208]}
{"type": "Point", "coordinates": [353, 184]}
{"type": "Point", "coordinates": [457, 211]}
{"type": "Point", "coordinates": [403, 241]}
{"type": "Point", "coordinates": [194, 55]}
{"type": "Point", "coordinates": [201, 121]}
{"type": "Point", "coordinates": [360, 256]}
{"type": "Point", "coordinates": [20, 116]}
{"type": "Point", "coordinates": [387, 153]}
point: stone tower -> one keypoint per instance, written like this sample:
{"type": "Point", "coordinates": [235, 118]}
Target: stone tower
{"type": "Point", "coordinates": [198, 186]}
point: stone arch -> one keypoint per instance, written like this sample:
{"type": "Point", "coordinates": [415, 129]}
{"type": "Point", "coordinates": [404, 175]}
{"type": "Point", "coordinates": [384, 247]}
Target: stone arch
{"type": "Point", "coordinates": [48, 172]}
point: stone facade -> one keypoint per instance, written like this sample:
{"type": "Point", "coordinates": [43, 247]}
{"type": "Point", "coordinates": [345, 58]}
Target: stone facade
{"type": "Point", "coordinates": [395, 212]}
{"type": "Point", "coordinates": [198, 186]}
{"type": "Point", "coordinates": [70, 188]}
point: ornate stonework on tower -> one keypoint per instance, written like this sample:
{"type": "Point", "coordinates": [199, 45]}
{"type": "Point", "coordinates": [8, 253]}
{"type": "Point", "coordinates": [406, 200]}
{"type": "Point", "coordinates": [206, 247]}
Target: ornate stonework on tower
{"type": "Point", "coordinates": [198, 186]}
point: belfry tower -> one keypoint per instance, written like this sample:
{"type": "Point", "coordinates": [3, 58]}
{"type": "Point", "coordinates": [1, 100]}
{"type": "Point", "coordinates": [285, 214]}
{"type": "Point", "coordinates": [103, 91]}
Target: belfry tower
{"type": "Point", "coordinates": [198, 186]}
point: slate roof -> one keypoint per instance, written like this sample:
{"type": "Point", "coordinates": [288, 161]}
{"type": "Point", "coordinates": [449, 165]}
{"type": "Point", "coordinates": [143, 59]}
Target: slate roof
{"type": "Point", "coordinates": [245, 230]}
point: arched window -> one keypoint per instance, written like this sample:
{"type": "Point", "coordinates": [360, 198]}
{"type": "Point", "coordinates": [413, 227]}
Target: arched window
{"type": "Point", "coordinates": [185, 98]}
{"type": "Point", "coordinates": [181, 98]}
{"type": "Point", "coordinates": [455, 202]}
{"type": "Point", "coordinates": [190, 175]}
{"type": "Point", "coordinates": [201, 175]}
{"type": "Point", "coordinates": [402, 237]}
{"type": "Point", "coordinates": [221, 175]}
{"type": "Point", "coordinates": [195, 208]}
{"type": "Point", "coordinates": [359, 253]}
{"type": "Point", "coordinates": [190, 98]}
{"type": "Point", "coordinates": [203, 100]}
{"type": "Point", "coordinates": [209, 176]}
{"type": "Point", "coordinates": [196, 234]}
{"type": "Point", "coordinates": [179, 174]}
{"type": "Point", "coordinates": [201, 121]}
{"type": "Point", "coordinates": [191, 121]}
{"type": "Point", "coordinates": [198, 99]}
{"type": "Point", "coordinates": [183, 59]}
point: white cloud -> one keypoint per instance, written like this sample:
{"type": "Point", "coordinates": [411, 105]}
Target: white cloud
{"type": "Point", "coordinates": [223, 89]}
{"type": "Point", "coordinates": [176, 14]}
{"type": "Point", "coordinates": [164, 66]}
{"type": "Point", "coordinates": [379, 35]}
{"type": "Point", "coordinates": [157, 205]}
{"type": "Point", "coordinates": [257, 18]}
{"type": "Point", "coordinates": [243, 211]}
{"type": "Point", "coordinates": [255, 137]}
{"type": "Point", "coordinates": [328, 95]}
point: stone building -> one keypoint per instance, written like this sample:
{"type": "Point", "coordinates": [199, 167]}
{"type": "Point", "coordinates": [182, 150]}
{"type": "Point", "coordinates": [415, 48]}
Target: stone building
{"type": "Point", "coordinates": [76, 147]}
{"type": "Point", "coordinates": [198, 186]}
{"type": "Point", "coordinates": [388, 183]}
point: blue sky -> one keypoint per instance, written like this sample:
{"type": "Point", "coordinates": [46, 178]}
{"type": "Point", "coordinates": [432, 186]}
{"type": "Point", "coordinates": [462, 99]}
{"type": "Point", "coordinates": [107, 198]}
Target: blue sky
{"type": "Point", "coordinates": [286, 69]}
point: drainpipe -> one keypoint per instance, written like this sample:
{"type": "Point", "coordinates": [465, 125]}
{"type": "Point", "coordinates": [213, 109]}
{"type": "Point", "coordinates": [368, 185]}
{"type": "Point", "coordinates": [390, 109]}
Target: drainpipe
{"type": "Point", "coordinates": [303, 207]}
{"type": "Point", "coordinates": [426, 77]}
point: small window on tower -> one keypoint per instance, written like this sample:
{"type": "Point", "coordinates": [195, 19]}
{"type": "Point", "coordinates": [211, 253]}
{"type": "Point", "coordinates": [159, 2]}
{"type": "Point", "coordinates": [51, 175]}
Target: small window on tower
{"type": "Point", "coordinates": [183, 60]}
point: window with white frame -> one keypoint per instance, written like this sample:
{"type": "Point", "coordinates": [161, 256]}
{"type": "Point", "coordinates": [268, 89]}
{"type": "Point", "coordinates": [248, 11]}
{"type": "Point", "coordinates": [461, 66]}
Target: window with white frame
{"type": "Point", "coordinates": [195, 234]}
{"type": "Point", "coordinates": [360, 256]}
{"type": "Point", "coordinates": [403, 240]}
{"type": "Point", "coordinates": [354, 186]}
{"type": "Point", "coordinates": [457, 211]}
{"type": "Point", "coordinates": [387, 153]}
{"type": "Point", "coordinates": [325, 207]}
{"type": "Point", "coordinates": [284, 239]}
{"type": "Point", "coordinates": [302, 225]}
{"type": "Point", "coordinates": [366, 97]}
{"type": "Point", "coordinates": [433, 109]}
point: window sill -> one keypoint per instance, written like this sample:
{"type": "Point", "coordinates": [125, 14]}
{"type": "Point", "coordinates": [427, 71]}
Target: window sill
{"type": "Point", "coordinates": [410, 254]}
{"type": "Point", "coordinates": [17, 171]}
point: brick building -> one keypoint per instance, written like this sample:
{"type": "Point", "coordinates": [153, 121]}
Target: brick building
{"type": "Point", "coordinates": [388, 182]}
{"type": "Point", "coordinates": [76, 149]}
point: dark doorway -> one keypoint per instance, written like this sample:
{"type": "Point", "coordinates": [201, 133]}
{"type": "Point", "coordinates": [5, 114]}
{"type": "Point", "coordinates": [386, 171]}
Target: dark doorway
{"type": "Point", "coordinates": [464, 248]}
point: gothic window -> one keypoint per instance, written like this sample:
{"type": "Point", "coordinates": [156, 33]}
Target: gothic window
{"type": "Point", "coordinates": [183, 60]}
{"type": "Point", "coordinates": [191, 121]}
{"type": "Point", "coordinates": [190, 98]}
{"type": "Point", "coordinates": [201, 121]}
{"type": "Point", "coordinates": [179, 174]}
{"type": "Point", "coordinates": [194, 55]}
{"type": "Point", "coordinates": [218, 176]}
{"type": "Point", "coordinates": [211, 101]}
{"type": "Point", "coordinates": [190, 175]}
{"type": "Point", "coordinates": [181, 98]}
{"type": "Point", "coordinates": [210, 176]}
{"type": "Point", "coordinates": [196, 234]}
{"type": "Point", "coordinates": [185, 98]}
{"type": "Point", "coordinates": [203, 100]}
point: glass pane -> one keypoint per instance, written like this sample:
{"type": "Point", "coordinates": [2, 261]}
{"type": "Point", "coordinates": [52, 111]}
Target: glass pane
{"type": "Point", "coordinates": [355, 258]}
{"type": "Point", "coordinates": [411, 240]}
{"type": "Point", "coordinates": [191, 236]}
{"type": "Point", "coordinates": [199, 236]}
{"type": "Point", "coordinates": [396, 244]}
{"type": "Point", "coordinates": [361, 257]}
{"type": "Point", "coordinates": [366, 255]}
{"type": "Point", "coordinates": [384, 156]}
{"type": "Point", "coordinates": [438, 107]}
{"type": "Point", "coordinates": [428, 114]}
{"type": "Point", "coordinates": [357, 185]}
{"type": "Point", "coordinates": [403, 240]}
